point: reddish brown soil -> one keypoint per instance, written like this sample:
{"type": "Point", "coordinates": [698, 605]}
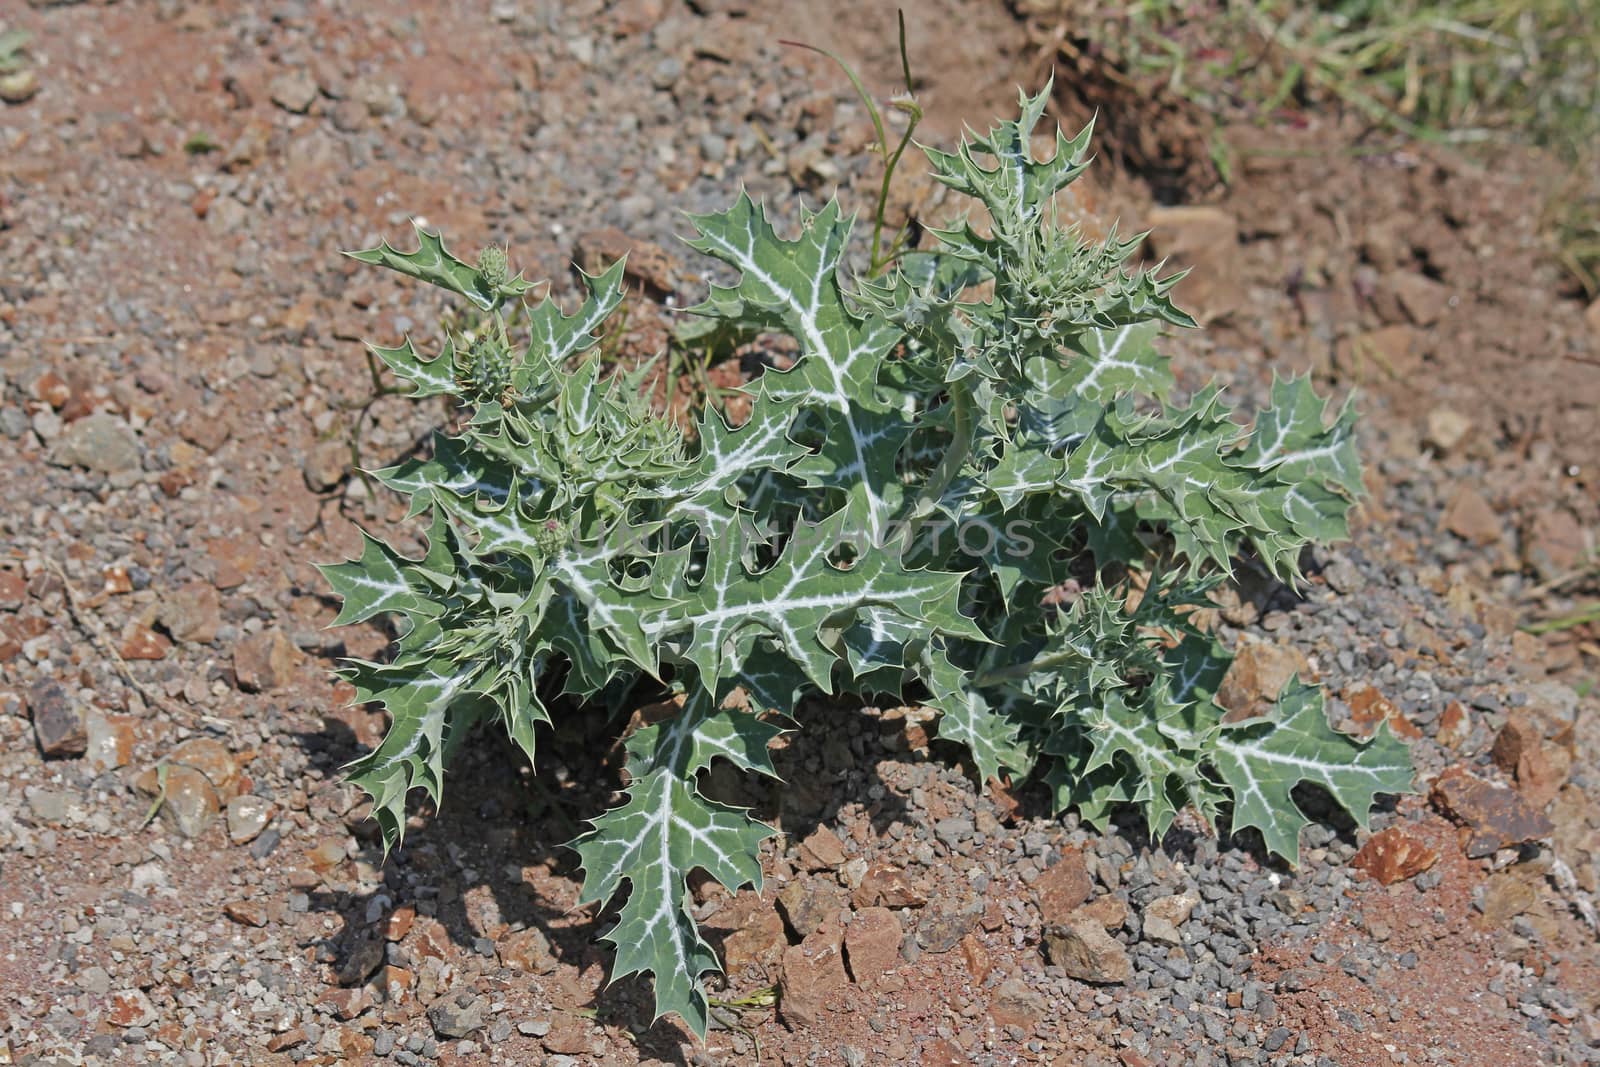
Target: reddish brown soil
{"type": "Point", "coordinates": [235, 376]}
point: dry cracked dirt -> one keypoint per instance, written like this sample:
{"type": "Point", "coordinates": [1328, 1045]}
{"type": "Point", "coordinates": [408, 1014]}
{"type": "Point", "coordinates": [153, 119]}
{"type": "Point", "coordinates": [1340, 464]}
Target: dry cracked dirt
{"type": "Point", "coordinates": [185, 879]}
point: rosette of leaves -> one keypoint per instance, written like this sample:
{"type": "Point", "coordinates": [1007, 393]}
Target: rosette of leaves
{"type": "Point", "coordinates": [977, 486]}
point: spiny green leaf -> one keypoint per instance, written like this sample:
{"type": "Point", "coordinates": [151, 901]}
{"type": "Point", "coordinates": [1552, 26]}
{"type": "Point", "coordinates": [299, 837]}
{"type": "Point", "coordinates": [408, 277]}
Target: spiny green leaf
{"type": "Point", "coordinates": [970, 718]}
{"type": "Point", "coordinates": [379, 581]}
{"type": "Point", "coordinates": [1290, 439]}
{"type": "Point", "coordinates": [1263, 760]}
{"type": "Point", "coordinates": [663, 831]}
{"type": "Point", "coordinates": [427, 377]}
{"type": "Point", "coordinates": [700, 732]}
{"type": "Point", "coordinates": [1000, 168]}
{"type": "Point", "coordinates": [434, 264]}
{"type": "Point", "coordinates": [557, 337]}
{"type": "Point", "coordinates": [431, 706]}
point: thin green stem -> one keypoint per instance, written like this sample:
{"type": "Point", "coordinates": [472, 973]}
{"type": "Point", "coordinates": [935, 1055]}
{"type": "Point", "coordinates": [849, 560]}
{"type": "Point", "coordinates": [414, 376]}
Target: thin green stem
{"type": "Point", "coordinates": [1565, 622]}
{"type": "Point", "coordinates": [1019, 671]}
{"type": "Point", "coordinates": [880, 257]}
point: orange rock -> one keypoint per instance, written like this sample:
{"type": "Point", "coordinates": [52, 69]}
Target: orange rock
{"type": "Point", "coordinates": [264, 661]}
{"type": "Point", "coordinates": [430, 938]}
{"type": "Point", "coordinates": [813, 973]}
{"type": "Point", "coordinates": [1257, 675]}
{"type": "Point", "coordinates": [356, 1046]}
{"type": "Point", "coordinates": [1470, 517]}
{"type": "Point", "coordinates": [1062, 887]}
{"type": "Point", "coordinates": [1455, 725]}
{"type": "Point", "coordinates": [1109, 911]}
{"type": "Point", "coordinates": [528, 951]}
{"type": "Point", "coordinates": [977, 958]}
{"type": "Point", "coordinates": [287, 1039]}
{"type": "Point", "coordinates": [142, 642]}
{"type": "Point", "coordinates": [327, 854]}
{"type": "Point", "coordinates": [394, 983]}
{"type": "Point", "coordinates": [397, 924]}
{"type": "Point", "coordinates": [941, 1053]}
{"type": "Point", "coordinates": [234, 558]}
{"type": "Point", "coordinates": [1394, 855]}
{"type": "Point", "coordinates": [1540, 767]}
{"type": "Point", "coordinates": [1369, 707]}
{"type": "Point", "coordinates": [117, 580]}
{"type": "Point", "coordinates": [110, 740]}
{"type": "Point", "coordinates": [347, 1003]}
{"type": "Point", "coordinates": [887, 886]}
{"type": "Point", "coordinates": [130, 1007]}
{"type": "Point", "coordinates": [872, 943]}
{"type": "Point", "coordinates": [822, 850]}
{"type": "Point", "coordinates": [248, 912]}
{"type": "Point", "coordinates": [13, 590]}
{"type": "Point", "coordinates": [1516, 737]}
{"type": "Point", "coordinates": [760, 940]}
{"type": "Point", "coordinates": [1495, 817]}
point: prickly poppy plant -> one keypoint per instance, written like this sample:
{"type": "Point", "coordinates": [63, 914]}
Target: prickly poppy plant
{"type": "Point", "coordinates": [976, 487]}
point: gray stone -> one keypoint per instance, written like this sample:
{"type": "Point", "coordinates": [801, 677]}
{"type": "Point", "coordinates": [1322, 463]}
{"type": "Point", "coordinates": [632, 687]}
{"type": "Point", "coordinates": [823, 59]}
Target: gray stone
{"type": "Point", "coordinates": [458, 1016]}
{"type": "Point", "coordinates": [49, 805]}
{"type": "Point", "coordinates": [326, 465]}
{"type": "Point", "coordinates": [1086, 952]}
{"type": "Point", "coordinates": [1162, 917]}
{"type": "Point", "coordinates": [13, 421]}
{"type": "Point", "coordinates": [294, 90]}
{"type": "Point", "coordinates": [247, 817]}
{"type": "Point", "coordinates": [100, 442]}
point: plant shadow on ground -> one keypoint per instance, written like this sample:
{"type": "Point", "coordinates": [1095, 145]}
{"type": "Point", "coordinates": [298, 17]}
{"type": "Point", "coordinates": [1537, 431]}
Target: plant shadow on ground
{"type": "Point", "coordinates": [494, 855]}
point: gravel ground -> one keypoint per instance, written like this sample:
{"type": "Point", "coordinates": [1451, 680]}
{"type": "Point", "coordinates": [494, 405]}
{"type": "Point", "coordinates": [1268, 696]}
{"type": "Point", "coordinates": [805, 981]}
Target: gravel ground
{"type": "Point", "coordinates": [179, 379]}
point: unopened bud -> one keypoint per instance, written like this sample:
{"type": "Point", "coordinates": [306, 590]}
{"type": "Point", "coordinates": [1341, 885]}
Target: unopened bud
{"type": "Point", "coordinates": [493, 266]}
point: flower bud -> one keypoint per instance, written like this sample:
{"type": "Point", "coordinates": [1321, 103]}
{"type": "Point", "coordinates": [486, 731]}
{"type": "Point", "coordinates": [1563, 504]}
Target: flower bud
{"type": "Point", "coordinates": [493, 267]}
